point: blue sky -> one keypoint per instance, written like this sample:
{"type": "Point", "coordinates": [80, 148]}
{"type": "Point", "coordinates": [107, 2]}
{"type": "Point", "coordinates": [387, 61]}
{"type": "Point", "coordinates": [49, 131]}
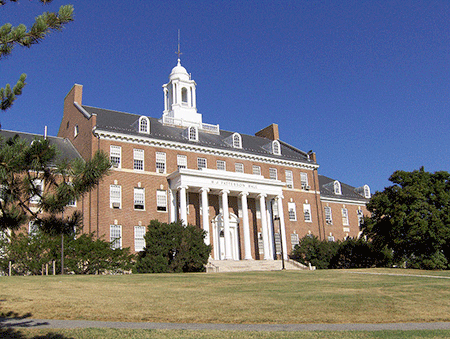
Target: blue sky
{"type": "Point", "coordinates": [364, 84]}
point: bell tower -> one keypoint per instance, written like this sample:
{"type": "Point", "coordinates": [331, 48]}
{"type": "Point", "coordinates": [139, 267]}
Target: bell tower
{"type": "Point", "coordinates": [180, 104]}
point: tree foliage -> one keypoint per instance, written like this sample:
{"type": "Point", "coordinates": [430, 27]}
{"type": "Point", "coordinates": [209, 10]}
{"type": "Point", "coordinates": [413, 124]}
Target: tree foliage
{"type": "Point", "coordinates": [350, 253]}
{"type": "Point", "coordinates": [84, 254]}
{"type": "Point", "coordinates": [412, 219]}
{"type": "Point", "coordinates": [173, 248]}
{"type": "Point", "coordinates": [11, 36]}
{"type": "Point", "coordinates": [32, 172]}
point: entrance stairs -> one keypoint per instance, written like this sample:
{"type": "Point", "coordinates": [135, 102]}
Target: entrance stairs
{"type": "Point", "coordinates": [252, 265]}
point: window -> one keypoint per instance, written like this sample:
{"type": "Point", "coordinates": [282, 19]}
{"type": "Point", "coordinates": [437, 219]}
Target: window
{"type": "Point", "coordinates": [201, 163]}
{"type": "Point", "coordinates": [256, 170]}
{"type": "Point", "coordinates": [138, 158]}
{"type": "Point", "coordinates": [337, 187]}
{"type": "Point", "coordinates": [73, 202]}
{"type": "Point", "coordinates": [307, 212]}
{"type": "Point", "coordinates": [344, 217]}
{"type": "Point", "coordinates": [221, 165]}
{"type": "Point", "coordinates": [193, 134]}
{"type": "Point", "coordinates": [33, 228]}
{"type": "Point", "coordinates": [139, 241]}
{"type": "Point", "coordinates": [181, 161]}
{"type": "Point", "coordinates": [115, 154]}
{"type": "Point", "coordinates": [115, 236]}
{"type": "Point", "coordinates": [275, 208]}
{"type": "Point", "coordinates": [331, 237]}
{"type": "Point", "coordinates": [39, 189]}
{"type": "Point", "coordinates": [184, 96]}
{"type": "Point", "coordinates": [289, 179]}
{"type": "Point", "coordinates": [237, 141]}
{"type": "Point", "coordinates": [143, 124]}
{"type": "Point", "coordinates": [273, 173]}
{"type": "Point", "coordinates": [304, 180]}
{"type": "Point", "coordinates": [360, 217]}
{"type": "Point", "coordinates": [115, 196]}
{"type": "Point", "coordinates": [160, 162]}
{"type": "Point", "coordinates": [139, 199]}
{"type": "Point", "coordinates": [367, 192]}
{"type": "Point", "coordinates": [238, 167]}
{"type": "Point", "coordinates": [294, 240]}
{"type": "Point", "coordinates": [75, 131]}
{"type": "Point", "coordinates": [161, 201]}
{"type": "Point", "coordinates": [328, 215]}
{"type": "Point", "coordinates": [292, 212]}
{"type": "Point", "coordinates": [276, 147]}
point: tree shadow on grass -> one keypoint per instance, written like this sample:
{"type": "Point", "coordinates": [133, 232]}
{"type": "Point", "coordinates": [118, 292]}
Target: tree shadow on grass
{"type": "Point", "coordinates": [10, 321]}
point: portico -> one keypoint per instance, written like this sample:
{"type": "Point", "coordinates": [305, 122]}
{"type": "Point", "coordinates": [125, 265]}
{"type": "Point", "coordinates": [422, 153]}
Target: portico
{"type": "Point", "coordinates": [223, 228]}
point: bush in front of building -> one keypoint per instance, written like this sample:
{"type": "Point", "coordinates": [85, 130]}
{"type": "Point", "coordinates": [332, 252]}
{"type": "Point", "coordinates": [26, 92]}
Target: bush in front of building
{"type": "Point", "coordinates": [29, 253]}
{"type": "Point", "coordinates": [318, 253]}
{"type": "Point", "coordinates": [173, 248]}
{"type": "Point", "coordinates": [350, 253]}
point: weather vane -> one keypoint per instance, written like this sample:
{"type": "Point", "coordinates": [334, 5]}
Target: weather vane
{"type": "Point", "coordinates": [178, 53]}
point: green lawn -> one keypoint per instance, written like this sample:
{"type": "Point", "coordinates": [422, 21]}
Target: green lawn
{"type": "Point", "coordinates": [323, 296]}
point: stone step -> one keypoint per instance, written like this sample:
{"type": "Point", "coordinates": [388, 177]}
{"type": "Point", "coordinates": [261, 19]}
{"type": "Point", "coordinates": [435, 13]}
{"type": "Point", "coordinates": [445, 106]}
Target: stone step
{"type": "Point", "coordinates": [252, 265]}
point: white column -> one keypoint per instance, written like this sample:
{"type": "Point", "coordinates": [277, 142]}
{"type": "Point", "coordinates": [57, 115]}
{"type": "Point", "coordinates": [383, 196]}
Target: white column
{"type": "Point", "coordinates": [174, 93]}
{"type": "Point", "coordinates": [194, 100]}
{"type": "Point", "coordinates": [165, 99]}
{"type": "Point", "coordinates": [272, 249]}
{"type": "Point", "coordinates": [246, 225]}
{"type": "Point", "coordinates": [226, 224]}
{"type": "Point", "coordinates": [173, 205]}
{"type": "Point", "coordinates": [205, 215]}
{"type": "Point", "coordinates": [178, 93]}
{"type": "Point", "coordinates": [189, 96]}
{"type": "Point", "coordinates": [183, 206]}
{"type": "Point", "coordinates": [282, 226]}
{"type": "Point", "coordinates": [265, 233]}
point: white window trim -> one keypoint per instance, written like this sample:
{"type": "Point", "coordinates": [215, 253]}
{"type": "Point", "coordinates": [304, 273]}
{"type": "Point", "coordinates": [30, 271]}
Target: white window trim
{"type": "Point", "coordinates": [289, 179]}
{"type": "Point", "coordinates": [139, 242]}
{"type": "Point", "coordinates": [239, 167]}
{"type": "Point", "coordinates": [190, 137]}
{"type": "Point", "coordinates": [304, 180]}
{"type": "Point", "coordinates": [116, 152]}
{"type": "Point", "coordinates": [238, 138]}
{"type": "Point", "coordinates": [273, 173]}
{"type": "Point", "coordinates": [306, 211]}
{"type": "Point", "coordinates": [330, 215]}
{"type": "Point", "coordinates": [161, 201]}
{"type": "Point", "coordinates": [221, 165]}
{"type": "Point", "coordinates": [181, 161]}
{"type": "Point", "coordinates": [345, 220]}
{"type": "Point", "coordinates": [39, 184]}
{"type": "Point", "coordinates": [160, 158]}
{"type": "Point", "coordinates": [138, 155]}
{"type": "Point", "coordinates": [291, 208]}
{"type": "Point", "coordinates": [113, 200]}
{"type": "Point", "coordinates": [256, 170]}
{"type": "Point", "coordinates": [118, 228]}
{"type": "Point", "coordinates": [199, 160]}
{"type": "Point", "coordinates": [136, 198]}
{"type": "Point", "coordinates": [337, 187]}
{"type": "Point", "coordinates": [276, 147]}
{"type": "Point", "coordinates": [146, 127]}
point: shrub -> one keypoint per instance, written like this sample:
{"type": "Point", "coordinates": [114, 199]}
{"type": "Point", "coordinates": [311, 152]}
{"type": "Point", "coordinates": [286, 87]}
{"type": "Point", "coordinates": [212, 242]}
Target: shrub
{"type": "Point", "coordinates": [173, 248]}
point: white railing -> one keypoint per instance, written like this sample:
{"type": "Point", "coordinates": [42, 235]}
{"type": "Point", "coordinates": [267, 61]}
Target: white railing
{"type": "Point", "coordinates": [166, 120]}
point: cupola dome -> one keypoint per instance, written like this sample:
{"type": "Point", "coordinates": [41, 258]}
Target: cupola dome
{"type": "Point", "coordinates": [179, 72]}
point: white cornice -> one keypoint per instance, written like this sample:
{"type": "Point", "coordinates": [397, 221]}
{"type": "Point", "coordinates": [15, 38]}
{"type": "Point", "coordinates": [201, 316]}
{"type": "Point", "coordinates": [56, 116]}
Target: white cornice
{"type": "Point", "coordinates": [143, 140]}
{"type": "Point", "coordinates": [342, 201]}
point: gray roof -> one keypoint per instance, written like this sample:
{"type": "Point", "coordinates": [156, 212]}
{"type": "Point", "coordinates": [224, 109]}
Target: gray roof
{"type": "Point", "coordinates": [348, 192]}
{"type": "Point", "coordinates": [120, 122]}
{"type": "Point", "coordinates": [65, 149]}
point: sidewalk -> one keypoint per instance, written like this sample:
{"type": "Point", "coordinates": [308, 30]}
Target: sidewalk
{"type": "Point", "coordinates": [47, 323]}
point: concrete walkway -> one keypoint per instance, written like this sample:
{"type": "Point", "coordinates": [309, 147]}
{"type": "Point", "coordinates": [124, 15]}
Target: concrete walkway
{"type": "Point", "coordinates": [46, 323]}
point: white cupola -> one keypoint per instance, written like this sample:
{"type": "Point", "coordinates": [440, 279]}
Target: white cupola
{"type": "Point", "coordinates": [180, 105]}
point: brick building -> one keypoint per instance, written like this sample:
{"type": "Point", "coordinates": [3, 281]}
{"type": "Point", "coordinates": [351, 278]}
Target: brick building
{"type": "Point", "coordinates": [252, 194]}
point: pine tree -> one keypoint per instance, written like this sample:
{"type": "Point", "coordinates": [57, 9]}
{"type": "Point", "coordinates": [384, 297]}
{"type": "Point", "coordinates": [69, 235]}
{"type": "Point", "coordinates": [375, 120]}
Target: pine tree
{"type": "Point", "coordinates": [11, 36]}
{"type": "Point", "coordinates": [32, 173]}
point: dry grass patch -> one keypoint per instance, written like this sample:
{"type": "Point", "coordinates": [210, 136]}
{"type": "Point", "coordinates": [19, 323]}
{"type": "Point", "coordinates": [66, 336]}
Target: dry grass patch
{"type": "Point", "coordinates": [327, 296]}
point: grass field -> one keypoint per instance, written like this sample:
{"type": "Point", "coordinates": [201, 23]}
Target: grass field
{"type": "Point", "coordinates": [325, 296]}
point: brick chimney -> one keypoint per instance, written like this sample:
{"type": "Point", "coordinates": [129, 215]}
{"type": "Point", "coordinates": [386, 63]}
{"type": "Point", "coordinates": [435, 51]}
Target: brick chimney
{"type": "Point", "coordinates": [270, 132]}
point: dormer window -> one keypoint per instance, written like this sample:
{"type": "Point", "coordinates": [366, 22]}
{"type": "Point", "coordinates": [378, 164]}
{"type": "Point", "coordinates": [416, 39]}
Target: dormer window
{"type": "Point", "coordinates": [276, 149]}
{"type": "Point", "coordinates": [144, 125]}
{"type": "Point", "coordinates": [237, 140]}
{"type": "Point", "coordinates": [193, 133]}
{"type": "Point", "coordinates": [367, 192]}
{"type": "Point", "coordinates": [337, 187]}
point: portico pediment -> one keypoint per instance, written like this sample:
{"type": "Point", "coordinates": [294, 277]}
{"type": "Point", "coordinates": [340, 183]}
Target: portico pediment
{"type": "Point", "coordinates": [216, 180]}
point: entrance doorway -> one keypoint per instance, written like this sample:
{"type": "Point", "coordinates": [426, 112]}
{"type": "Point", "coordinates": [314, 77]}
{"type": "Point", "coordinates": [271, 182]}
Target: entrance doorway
{"type": "Point", "coordinates": [219, 237]}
